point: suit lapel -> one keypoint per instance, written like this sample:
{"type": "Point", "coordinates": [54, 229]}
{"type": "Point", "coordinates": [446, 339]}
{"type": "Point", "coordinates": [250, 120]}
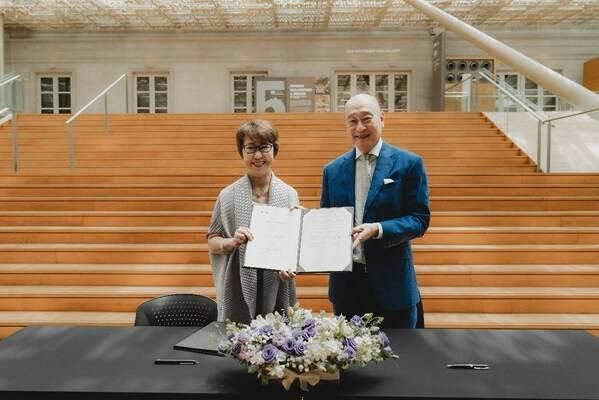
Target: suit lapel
{"type": "Point", "coordinates": [347, 179]}
{"type": "Point", "coordinates": [384, 164]}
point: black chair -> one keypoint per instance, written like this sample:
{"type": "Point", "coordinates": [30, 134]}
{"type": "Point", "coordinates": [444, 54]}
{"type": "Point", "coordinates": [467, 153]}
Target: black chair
{"type": "Point", "coordinates": [420, 319]}
{"type": "Point", "coordinates": [177, 310]}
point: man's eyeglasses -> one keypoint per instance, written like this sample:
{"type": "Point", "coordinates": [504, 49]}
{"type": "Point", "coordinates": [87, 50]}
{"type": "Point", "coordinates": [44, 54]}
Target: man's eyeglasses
{"type": "Point", "coordinates": [252, 148]}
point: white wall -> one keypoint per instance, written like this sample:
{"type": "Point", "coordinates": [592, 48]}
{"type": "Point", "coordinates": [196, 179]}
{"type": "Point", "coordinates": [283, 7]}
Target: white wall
{"type": "Point", "coordinates": [200, 65]}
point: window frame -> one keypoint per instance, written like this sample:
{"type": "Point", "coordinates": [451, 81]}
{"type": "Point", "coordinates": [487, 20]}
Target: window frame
{"type": "Point", "coordinates": [372, 88]}
{"type": "Point", "coordinates": [250, 95]}
{"type": "Point", "coordinates": [56, 108]}
{"type": "Point", "coordinates": [152, 92]}
{"type": "Point", "coordinates": [540, 92]}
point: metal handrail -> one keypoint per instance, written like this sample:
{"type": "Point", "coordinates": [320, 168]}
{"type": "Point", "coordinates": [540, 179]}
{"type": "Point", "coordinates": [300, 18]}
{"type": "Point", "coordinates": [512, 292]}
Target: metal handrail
{"type": "Point", "coordinates": [11, 78]}
{"type": "Point", "coordinates": [573, 115]}
{"type": "Point", "coordinates": [549, 121]}
{"type": "Point", "coordinates": [487, 75]}
{"type": "Point", "coordinates": [69, 123]}
{"type": "Point", "coordinates": [8, 78]}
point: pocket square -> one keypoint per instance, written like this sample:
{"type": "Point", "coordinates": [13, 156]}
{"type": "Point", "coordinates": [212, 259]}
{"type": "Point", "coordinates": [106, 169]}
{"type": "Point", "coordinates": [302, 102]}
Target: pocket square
{"type": "Point", "coordinates": [387, 181]}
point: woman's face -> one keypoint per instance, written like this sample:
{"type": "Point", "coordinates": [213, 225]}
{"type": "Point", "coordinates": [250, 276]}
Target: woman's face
{"type": "Point", "coordinates": [258, 158]}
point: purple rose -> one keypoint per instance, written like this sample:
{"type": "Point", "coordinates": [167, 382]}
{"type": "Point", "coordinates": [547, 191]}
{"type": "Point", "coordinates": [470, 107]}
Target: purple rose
{"type": "Point", "coordinates": [309, 323]}
{"type": "Point", "coordinates": [357, 320]}
{"type": "Point", "coordinates": [350, 351]}
{"type": "Point", "coordinates": [289, 345]}
{"type": "Point", "coordinates": [384, 339]}
{"type": "Point", "coordinates": [299, 349]}
{"type": "Point", "coordinates": [269, 353]}
{"type": "Point", "coordinates": [310, 331]}
{"type": "Point", "coordinates": [266, 330]}
{"type": "Point", "coordinates": [350, 342]}
{"type": "Point", "coordinates": [236, 349]}
{"type": "Point", "coordinates": [299, 334]}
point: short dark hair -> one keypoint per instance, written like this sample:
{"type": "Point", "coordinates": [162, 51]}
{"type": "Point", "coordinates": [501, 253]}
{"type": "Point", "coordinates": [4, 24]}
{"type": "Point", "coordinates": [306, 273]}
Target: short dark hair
{"type": "Point", "coordinates": [260, 132]}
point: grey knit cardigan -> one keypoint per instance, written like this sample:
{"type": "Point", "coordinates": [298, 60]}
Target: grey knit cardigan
{"type": "Point", "coordinates": [236, 287]}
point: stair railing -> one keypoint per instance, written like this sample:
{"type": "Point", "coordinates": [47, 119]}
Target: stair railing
{"type": "Point", "coordinates": [10, 81]}
{"type": "Point", "coordinates": [70, 122]}
{"type": "Point", "coordinates": [466, 94]}
{"type": "Point", "coordinates": [550, 125]}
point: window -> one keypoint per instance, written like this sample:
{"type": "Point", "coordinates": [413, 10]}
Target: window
{"type": "Point", "coordinates": [390, 88]}
{"type": "Point", "coordinates": [533, 92]}
{"type": "Point", "coordinates": [151, 93]}
{"type": "Point", "coordinates": [244, 91]}
{"type": "Point", "coordinates": [55, 94]}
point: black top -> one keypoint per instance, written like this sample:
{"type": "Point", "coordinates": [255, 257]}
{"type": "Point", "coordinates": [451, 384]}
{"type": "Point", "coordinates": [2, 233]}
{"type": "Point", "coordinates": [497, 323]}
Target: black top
{"type": "Point", "coordinates": [118, 363]}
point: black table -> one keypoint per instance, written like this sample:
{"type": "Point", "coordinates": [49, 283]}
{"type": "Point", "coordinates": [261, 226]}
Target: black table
{"type": "Point", "coordinates": [117, 363]}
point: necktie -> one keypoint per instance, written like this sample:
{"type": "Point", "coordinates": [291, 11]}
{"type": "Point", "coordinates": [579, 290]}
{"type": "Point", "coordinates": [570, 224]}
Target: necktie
{"type": "Point", "coordinates": [363, 178]}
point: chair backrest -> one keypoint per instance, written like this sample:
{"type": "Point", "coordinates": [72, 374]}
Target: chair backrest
{"type": "Point", "coordinates": [177, 310]}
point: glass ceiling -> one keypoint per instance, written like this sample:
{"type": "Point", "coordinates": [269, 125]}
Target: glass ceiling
{"type": "Point", "coordinates": [285, 15]}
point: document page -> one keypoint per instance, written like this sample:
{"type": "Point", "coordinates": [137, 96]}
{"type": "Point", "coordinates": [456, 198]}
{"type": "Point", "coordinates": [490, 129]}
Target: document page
{"type": "Point", "coordinates": [326, 240]}
{"type": "Point", "coordinates": [276, 233]}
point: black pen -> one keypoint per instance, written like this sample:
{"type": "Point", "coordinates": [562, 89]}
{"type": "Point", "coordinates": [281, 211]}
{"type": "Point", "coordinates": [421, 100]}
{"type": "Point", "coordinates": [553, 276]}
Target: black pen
{"type": "Point", "coordinates": [174, 361]}
{"type": "Point", "coordinates": [468, 366]}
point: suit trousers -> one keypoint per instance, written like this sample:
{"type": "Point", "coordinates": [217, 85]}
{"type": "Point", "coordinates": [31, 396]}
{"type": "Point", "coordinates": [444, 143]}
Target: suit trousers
{"type": "Point", "coordinates": [359, 299]}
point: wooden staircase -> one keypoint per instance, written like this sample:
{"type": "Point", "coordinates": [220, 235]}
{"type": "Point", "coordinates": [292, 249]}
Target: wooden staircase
{"type": "Point", "coordinates": [507, 247]}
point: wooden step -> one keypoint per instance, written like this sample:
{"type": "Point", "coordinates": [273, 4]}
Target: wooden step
{"type": "Point", "coordinates": [511, 299]}
{"type": "Point", "coordinates": [206, 144]}
{"type": "Point", "coordinates": [516, 218]}
{"type": "Point", "coordinates": [197, 253]}
{"type": "Point", "coordinates": [506, 254]}
{"type": "Point", "coordinates": [563, 189]}
{"type": "Point", "coordinates": [284, 172]}
{"type": "Point", "coordinates": [104, 253]}
{"type": "Point", "coordinates": [515, 203]}
{"type": "Point", "coordinates": [304, 189]}
{"type": "Point", "coordinates": [589, 322]}
{"type": "Point", "coordinates": [509, 235]}
{"type": "Point", "coordinates": [117, 298]}
{"type": "Point", "coordinates": [106, 218]}
{"type": "Point", "coordinates": [206, 203]}
{"type": "Point", "coordinates": [436, 178]}
{"type": "Point", "coordinates": [103, 234]}
{"type": "Point", "coordinates": [287, 136]}
{"type": "Point", "coordinates": [202, 218]}
{"type": "Point", "coordinates": [532, 275]}
{"type": "Point", "coordinates": [123, 275]}
{"type": "Point", "coordinates": [197, 234]}
{"type": "Point", "coordinates": [12, 321]}
{"type": "Point", "coordinates": [278, 165]}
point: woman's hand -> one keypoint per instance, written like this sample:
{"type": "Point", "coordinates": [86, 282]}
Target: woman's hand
{"type": "Point", "coordinates": [241, 235]}
{"type": "Point", "coordinates": [286, 276]}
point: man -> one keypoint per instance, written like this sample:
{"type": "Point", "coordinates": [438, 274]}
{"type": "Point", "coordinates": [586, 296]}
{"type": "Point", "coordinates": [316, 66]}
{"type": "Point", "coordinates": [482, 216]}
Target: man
{"type": "Point", "coordinates": [388, 188]}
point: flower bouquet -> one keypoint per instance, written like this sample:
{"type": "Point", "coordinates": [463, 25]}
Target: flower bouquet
{"type": "Point", "coordinates": [297, 344]}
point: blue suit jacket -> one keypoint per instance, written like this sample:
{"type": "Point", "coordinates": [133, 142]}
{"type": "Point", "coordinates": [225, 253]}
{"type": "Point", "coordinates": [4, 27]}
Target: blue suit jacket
{"type": "Point", "coordinates": [401, 207]}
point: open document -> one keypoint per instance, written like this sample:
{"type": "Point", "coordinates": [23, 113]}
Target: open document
{"type": "Point", "coordinates": [308, 240]}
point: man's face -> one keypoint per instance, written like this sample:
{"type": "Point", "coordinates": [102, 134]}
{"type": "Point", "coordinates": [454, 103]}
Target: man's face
{"type": "Point", "coordinates": [364, 124]}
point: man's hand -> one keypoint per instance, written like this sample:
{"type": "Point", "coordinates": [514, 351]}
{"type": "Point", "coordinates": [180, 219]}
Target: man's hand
{"type": "Point", "coordinates": [362, 233]}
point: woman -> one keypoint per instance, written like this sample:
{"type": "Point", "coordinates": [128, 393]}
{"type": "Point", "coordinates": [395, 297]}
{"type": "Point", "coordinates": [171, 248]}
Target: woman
{"type": "Point", "coordinates": [243, 293]}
